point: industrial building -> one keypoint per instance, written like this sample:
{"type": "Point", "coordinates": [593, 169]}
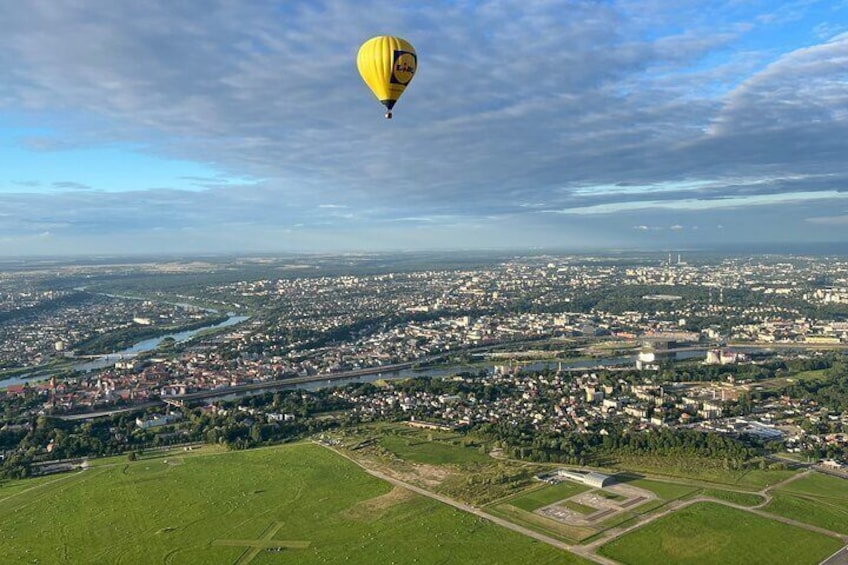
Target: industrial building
{"type": "Point", "coordinates": [588, 478]}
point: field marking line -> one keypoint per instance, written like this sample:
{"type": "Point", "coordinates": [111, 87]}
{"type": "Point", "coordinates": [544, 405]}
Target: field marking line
{"type": "Point", "coordinates": [62, 478]}
{"type": "Point", "coordinates": [265, 541]}
{"type": "Point", "coordinates": [262, 544]}
{"type": "Point", "coordinates": [80, 476]}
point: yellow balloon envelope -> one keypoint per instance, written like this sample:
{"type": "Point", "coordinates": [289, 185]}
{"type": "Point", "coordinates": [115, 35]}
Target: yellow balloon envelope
{"type": "Point", "coordinates": [387, 64]}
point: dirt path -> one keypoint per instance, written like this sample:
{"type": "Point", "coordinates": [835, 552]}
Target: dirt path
{"type": "Point", "coordinates": [785, 481]}
{"type": "Point", "coordinates": [614, 533]}
{"type": "Point", "coordinates": [579, 550]}
{"type": "Point", "coordinates": [588, 550]}
{"type": "Point", "coordinates": [26, 490]}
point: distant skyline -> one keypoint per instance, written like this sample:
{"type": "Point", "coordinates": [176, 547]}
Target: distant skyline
{"type": "Point", "coordinates": [220, 127]}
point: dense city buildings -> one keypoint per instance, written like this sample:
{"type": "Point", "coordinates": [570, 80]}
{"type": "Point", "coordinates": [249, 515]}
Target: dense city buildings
{"type": "Point", "coordinates": [569, 343]}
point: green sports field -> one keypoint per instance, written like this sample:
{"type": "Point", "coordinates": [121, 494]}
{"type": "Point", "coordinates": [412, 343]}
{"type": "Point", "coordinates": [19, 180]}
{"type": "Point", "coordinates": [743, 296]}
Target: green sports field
{"type": "Point", "coordinates": [711, 534]}
{"type": "Point", "coordinates": [520, 509]}
{"type": "Point", "coordinates": [547, 494]}
{"type": "Point", "coordinates": [289, 504]}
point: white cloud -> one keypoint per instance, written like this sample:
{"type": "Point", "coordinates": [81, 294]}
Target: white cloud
{"type": "Point", "coordinates": [829, 220]}
{"type": "Point", "coordinates": [578, 107]}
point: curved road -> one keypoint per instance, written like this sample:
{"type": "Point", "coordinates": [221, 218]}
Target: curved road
{"type": "Point", "coordinates": [579, 550]}
{"type": "Point", "coordinates": [587, 551]}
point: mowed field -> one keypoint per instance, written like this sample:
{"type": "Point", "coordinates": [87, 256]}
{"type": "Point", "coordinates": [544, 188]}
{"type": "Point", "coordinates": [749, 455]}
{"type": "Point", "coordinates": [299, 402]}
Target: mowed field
{"type": "Point", "coordinates": [547, 494]}
{"type": "Point", "coordinates": [520, 509]}
{"type": "Point", "coordinates": [410, 447]}
{"type": "Point", "coordinates": [707, 533]}
{"type": "Point", "coordinates": [289, 504]}
{"type": "Point", "coordinates": [816, 499]}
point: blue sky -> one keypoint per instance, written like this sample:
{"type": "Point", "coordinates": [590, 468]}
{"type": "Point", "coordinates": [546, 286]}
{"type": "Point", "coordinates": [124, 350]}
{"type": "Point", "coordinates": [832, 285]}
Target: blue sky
{"type": "Point", "coordinates": [244, 127]}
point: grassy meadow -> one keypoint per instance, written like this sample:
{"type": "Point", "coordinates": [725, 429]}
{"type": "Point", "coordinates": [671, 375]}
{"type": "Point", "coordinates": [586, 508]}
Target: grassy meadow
{"type": "Point", "coordinates": [697, 469]}
{"type": "Point", "coordinates": [816, 499]}
{"type": "Point", "coordinates": [711, 534]}
{"type": "Point", "coordinates": [741, 498]}
{"type": "Point", "coordinates": [520, 508]}
{"type": "Point", "coordinates": [546, 495]}
{"type": "Point", "coordinates": [289, 504]}
{"type": "Point", "coordinates": [411, 447]}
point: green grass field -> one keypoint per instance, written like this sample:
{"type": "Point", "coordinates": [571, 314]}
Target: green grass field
{"type": "Point", "coordinates": [689, 468]}
{"type": "Point", "coordinates": [666, 491]}
{"type": "Point", "coordinates": [519, 509]}
{"type": "Point", "coordinates": [780, 382]}
{"type": "Point", "coordinates": [816, 375]}
{"type": "Point", "coordinates": [413, 448]}
{"type": "Point", "coordinates": [817, 484]}
{"type": "Point", "coordinates": [626, 518]}
{"type": "Point", "coordinates": [303, 502]}
{"type": "Point", "coordinates": [12, 488]}
{"type": "Point", "coordinates": [548, 494]}
{"type": "Point", "coordinates": [816, 499]}
{"type": "Point", "coordinates": [162, 453]}
{"type": "Point", "coordinates": [543, 524]}
{"type": "Point", "coordinates": [741, 498]}
{"type": "Point", "coordinates": [757, 479]}
{"type": "Point", "coordinates": [708, 533]}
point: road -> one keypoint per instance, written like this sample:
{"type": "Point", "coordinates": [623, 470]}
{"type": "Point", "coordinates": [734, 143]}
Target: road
{"type": "Point", "coordinates": [587, 551]}
{"type": "Point", "coordinates": [614, 533]}
{"type": "Point", "coordinates": [838, 558]}
{"type": "Point", "coordinates": [777, 345]}
{"type": "Point", "coordinates": [579, 550]}
{"type": "Point", "coordinates": [105, 413]}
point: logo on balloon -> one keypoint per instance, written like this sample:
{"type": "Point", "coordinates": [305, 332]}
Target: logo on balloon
{"type": "Point", "coordinates": [403, 67]}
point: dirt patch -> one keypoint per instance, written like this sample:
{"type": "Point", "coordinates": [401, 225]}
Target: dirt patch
{"type": "Point", "coordinates": [430, 475]}
{"type": "Point", "coordinates": [374, 507]}
{"type": "Point", "coordinates": [603, 505]}
{"type": "Point", "coordinates": [419, 474]}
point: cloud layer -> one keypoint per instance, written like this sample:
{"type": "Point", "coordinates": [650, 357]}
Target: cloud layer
{"type": "Point", "coordinates": [529, 123]}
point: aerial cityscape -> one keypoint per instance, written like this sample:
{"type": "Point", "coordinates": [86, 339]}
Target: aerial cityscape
{"type": "Point", "coordinates": [492, 381]}
{"type": "Point", "coordinates": [448, 282]}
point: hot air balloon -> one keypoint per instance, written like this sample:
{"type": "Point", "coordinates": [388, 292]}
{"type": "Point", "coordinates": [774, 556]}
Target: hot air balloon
{"type": "Point", "coordinates": [387, 64]}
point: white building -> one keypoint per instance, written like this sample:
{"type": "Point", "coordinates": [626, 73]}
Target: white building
{"type": "Point", "coordinates": [158, 420]}
{"type": "Point", "coordinates": [589, 478]}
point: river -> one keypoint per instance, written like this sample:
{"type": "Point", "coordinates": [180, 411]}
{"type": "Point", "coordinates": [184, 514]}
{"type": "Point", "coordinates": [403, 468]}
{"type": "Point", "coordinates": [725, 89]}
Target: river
{"type": "Point", "coordinates": [150, 344]}
{"type": "Point", "coordinates": [447, 371]}
{"type": "Point", "coordinates": [620, 362]}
